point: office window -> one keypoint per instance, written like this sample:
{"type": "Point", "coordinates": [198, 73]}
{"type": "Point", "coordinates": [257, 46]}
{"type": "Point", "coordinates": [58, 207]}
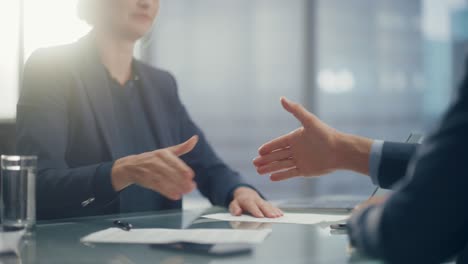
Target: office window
{"type": "Point", "coordinates": [9, 51]}
{"type": "Point", "coordinates": [379, 68]}
{"type": "Point", "coordinates": [42, 24]}
{"type": "Point", "coordinates": [49, 23]}
{"type": "Point", "coordinates": [233, 60]}
{"type": "Point", "coordinates": [385, 68]}
{"type": "Point", "coordinates": [370, 74]}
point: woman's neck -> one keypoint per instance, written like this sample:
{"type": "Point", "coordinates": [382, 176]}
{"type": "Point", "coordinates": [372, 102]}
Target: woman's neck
{"type": "Point", "coordinates": [116, 55]}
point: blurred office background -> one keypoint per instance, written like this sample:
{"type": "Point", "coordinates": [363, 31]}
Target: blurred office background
{"type": "Point", "coordinates": [379, 68]}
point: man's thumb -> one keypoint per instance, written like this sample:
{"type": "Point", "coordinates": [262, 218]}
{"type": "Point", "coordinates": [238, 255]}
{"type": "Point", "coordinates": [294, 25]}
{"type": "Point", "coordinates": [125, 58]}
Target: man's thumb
{"type": "Point", "coordinates": [297, 110]}
{"type": "Point", "coordinates": [185, 147]}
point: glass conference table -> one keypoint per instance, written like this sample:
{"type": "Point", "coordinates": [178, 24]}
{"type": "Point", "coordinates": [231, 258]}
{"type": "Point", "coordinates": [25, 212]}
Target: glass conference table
{"type": "Point", "coordinates": [59, 242]}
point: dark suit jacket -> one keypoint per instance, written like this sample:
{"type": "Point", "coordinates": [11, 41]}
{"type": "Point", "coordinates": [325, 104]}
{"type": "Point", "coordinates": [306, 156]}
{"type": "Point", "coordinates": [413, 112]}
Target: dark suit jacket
{"type": "Point", "coordinates": [394, 162]}
{"type": "Point", "coordinates": [65, 116]}
{"type": "Point", "coordinates": [426, 219]}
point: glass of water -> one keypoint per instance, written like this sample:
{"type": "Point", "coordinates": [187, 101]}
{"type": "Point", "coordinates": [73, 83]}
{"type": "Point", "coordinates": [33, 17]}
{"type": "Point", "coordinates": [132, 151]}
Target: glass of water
{"type": "Point", "coordinates": [18, 192]}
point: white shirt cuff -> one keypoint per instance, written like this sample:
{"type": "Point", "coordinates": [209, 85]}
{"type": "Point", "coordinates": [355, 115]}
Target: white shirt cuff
{"type": "Point", "coordinates": [374, 160]}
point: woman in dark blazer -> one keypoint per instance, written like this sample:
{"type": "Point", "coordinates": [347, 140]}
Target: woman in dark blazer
{"type": "Point", "coordinates": [111, 133]}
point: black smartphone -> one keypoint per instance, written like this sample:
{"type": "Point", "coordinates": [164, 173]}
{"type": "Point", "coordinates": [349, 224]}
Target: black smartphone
{"type": "Point", "coordinates": [208, 249]}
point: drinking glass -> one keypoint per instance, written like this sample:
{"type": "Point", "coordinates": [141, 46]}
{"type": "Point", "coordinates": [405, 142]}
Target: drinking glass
{"type": "Point", "coordinates": [18, 192]}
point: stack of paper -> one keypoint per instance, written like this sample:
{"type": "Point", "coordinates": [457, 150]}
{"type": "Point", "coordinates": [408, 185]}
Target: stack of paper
{"type": "Point", "coordinates": [287, 218]}
{"type": "Point", "coordinates": [165, 236]}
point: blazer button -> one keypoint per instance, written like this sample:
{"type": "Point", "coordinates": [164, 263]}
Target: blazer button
{"type": "Point", "coordinates": [87, 202]}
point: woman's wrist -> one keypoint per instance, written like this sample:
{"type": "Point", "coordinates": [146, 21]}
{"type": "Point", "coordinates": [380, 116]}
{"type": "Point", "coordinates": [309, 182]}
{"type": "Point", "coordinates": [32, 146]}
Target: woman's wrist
{"type": "Point", "coordinates": [119, 178]}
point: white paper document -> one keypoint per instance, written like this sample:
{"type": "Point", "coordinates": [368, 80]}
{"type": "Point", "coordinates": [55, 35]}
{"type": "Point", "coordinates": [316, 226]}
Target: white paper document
{"type": "Point", "coordinates": [164, 236]}
{"type": "Point", "coordinates": [9, 241]}
{"type": "Point", "coordinates": [287, 218]}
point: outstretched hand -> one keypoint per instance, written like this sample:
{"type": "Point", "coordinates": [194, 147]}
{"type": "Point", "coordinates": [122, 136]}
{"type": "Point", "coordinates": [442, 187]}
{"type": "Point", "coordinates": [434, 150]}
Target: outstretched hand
{"type": "Point", "coordinates": [307, 151]}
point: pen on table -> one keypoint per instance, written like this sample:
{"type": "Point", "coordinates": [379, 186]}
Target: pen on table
{"type": "Point", "coordinates": [123, 225]}
{"type": "Point", "coordinates": [342, 226]}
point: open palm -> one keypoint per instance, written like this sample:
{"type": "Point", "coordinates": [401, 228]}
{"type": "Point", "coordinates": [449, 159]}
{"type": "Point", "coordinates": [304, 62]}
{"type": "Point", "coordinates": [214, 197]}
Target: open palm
{"type": "Point", "coordinates": [306, 151]}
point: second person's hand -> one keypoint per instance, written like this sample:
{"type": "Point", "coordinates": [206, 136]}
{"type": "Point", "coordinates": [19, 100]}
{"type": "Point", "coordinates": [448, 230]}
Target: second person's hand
{"type": "Point", "coordinates": [160, 170]}
{"type": "Point", "coordinates": [306, 151]}
{"type": "Point", "coordinates": [311, 150]}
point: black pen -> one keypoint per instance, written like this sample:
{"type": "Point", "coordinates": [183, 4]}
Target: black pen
{"type": "Point", "coordinates": [123, 225]}
{"type": "Point", "coordinates": [339, 226]}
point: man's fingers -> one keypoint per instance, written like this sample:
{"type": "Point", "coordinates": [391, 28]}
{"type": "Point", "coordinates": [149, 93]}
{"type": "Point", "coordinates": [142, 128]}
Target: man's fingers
{"type": "Point", "coordinates": [276, 166]}
{"type": "Point", "coordinates": [279, 143]}
{"type": "Point", "coordinates": [274, 156]}
{"type": "Point", "coordinates": [185, 147]}
{"type": "Point", "coordinates": [234, 208]}
{"type": "Point", "coordinates": [283, 175]}
{"type": "Point", "coordinates": [298, 111]}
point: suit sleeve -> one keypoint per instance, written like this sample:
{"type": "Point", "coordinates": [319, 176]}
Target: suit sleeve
{"type": "Point", "coordinates": [215, 180]}
{"type": "Point", "coordinates": [424, 220]}
{"type": "Point", "coordinates": [394, 162]}
{"type": "Point", "coordinates": [42, 130]}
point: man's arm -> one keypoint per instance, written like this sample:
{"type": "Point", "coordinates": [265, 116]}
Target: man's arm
{"type": "Point", "coordinates": [388, 162]}
{"type": "Point", "coordinates": [312, 150]}
{"type": "Point", "coordinates": [316, 149]}
{"type": "Point", "coordinates": [425, 219]}
{"type": "Point", "coordinates": [394, 162]}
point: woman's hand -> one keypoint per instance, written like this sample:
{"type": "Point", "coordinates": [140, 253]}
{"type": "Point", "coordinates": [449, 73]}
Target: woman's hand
{"type": "Point", "coordinates": [247, 200]}
{"type": "Point", "coordinates": [160, 170]}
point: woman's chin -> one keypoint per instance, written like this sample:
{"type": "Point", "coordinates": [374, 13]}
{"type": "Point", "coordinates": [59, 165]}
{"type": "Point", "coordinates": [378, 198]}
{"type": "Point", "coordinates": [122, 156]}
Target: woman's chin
{"type": "Point", "coordinates": [136, 33]}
